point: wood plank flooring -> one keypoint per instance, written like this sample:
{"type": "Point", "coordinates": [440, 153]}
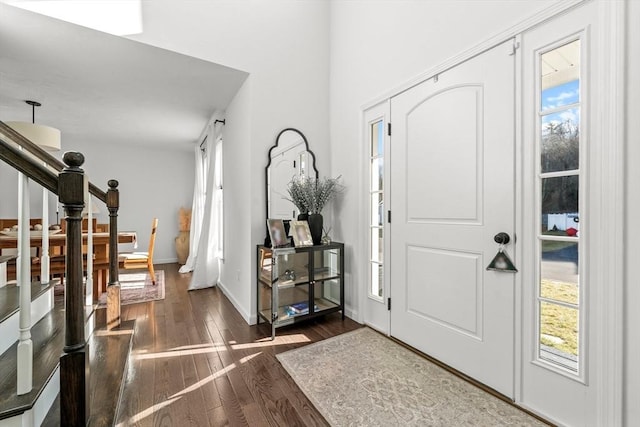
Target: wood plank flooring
{"type": "Point", "coordinates": [196, 362]}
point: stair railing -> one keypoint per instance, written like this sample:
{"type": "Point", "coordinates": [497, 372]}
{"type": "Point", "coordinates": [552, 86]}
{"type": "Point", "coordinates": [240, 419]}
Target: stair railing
{"type": "Point", "coordinates": [67, 180]}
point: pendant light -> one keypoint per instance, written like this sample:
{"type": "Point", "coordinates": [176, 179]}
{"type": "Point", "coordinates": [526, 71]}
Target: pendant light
{"type": "Point", "coordinates": [45, 137]}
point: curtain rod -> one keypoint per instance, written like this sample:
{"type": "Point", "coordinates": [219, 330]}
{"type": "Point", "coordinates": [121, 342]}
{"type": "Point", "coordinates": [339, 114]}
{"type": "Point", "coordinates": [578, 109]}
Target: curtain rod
{"type": "Point", "coordinates": [223, 121]}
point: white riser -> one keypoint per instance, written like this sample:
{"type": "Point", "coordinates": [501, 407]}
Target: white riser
{"type": "Point", "coordinates": [9, 328]}
{"type": "Point", "coordinates": [35, 416]}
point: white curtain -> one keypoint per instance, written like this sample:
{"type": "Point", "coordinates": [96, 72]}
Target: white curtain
{"type": "Point", "coordinates": [197, 209]}
{"type": "Point", "coordinates": [207, 262]}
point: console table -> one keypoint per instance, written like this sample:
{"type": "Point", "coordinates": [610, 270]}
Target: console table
{"type": "Point", "coordinates": [296, 284]}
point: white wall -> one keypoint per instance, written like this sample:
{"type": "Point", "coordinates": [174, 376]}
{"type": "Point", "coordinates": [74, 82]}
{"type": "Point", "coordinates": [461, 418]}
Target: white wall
{"type": "Point", "coordinates": [153, 182]}
{"type": "Point", "coordinates": [632, 225]}
{"type": "Point", "coordinates": [283, 44]}
{"type": "Point", "coordinates": [377, 46]}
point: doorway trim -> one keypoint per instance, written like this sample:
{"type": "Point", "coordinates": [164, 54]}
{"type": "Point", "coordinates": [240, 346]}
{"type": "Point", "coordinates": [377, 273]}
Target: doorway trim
{"type": "Point", "coordinates": [609, 333]}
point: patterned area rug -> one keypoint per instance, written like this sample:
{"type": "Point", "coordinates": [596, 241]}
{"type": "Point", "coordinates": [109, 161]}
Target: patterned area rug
{"type": "Point", "coordinates": [362, 378]}
{"type": "Point", "coordinates": [137, 287]}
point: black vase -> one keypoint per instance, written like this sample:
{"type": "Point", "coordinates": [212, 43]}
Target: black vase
{"type": "Point", "coordinates": [303, 217]}
{"type": "Point", "coordinates": [315, 225]}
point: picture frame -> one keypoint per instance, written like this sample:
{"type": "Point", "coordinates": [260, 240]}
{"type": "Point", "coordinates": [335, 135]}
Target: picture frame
{"type": "Point", "coordinates": [301, 233]}
{"type": "Point", "coordinates": [277, 233]}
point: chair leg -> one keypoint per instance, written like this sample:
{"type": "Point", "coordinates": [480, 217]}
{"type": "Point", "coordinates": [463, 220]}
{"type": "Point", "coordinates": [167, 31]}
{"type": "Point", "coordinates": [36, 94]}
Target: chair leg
{"type": "Point", "coordinates": [152, 273]}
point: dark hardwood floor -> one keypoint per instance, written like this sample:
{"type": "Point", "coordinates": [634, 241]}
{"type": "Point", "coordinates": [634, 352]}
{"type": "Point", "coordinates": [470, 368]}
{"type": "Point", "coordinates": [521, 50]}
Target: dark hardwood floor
{"type": "Point", "coordinates": [196, 362]}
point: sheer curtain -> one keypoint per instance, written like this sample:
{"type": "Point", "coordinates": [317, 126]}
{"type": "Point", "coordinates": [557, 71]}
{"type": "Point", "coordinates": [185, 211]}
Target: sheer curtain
{"type": "Point", "coordinates": [207, 268]}
{"type": "Point", "coordinates": [197, 209]}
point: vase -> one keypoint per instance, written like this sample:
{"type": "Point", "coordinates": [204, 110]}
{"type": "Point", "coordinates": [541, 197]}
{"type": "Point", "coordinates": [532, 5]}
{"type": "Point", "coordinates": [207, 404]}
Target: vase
{"type": "Point", "coordinates": [315, 225]}
{"type": "Point", "coordinates": [303, 217]}
{"type": "Point", "coordinates": [182, 246]}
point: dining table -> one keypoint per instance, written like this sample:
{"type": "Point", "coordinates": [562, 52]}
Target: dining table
{"type": "Point", "coordinates": [57, 243]}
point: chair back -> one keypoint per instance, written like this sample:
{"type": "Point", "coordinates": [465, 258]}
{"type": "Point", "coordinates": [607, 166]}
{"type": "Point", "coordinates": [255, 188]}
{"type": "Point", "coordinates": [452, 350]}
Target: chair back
{"type": "Point", "coordinates": [152, 239]}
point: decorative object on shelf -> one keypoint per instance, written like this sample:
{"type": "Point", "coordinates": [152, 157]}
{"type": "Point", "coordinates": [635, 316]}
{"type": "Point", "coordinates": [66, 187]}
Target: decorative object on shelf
{"type": "Point", "coordinates": [311, 195]}
{"type": "Point", "coordinates": [184, 232]}
{"type": "Point", "coordinates": [290, 274]}
{"type": "Point", "coordinates": [326, 239]}
{"type": "Point", "coordinates": [277, 233]}
{"type": "Point", "coordinates": [315, 225]}
{"type": "Point", "coordinates": [301, 233]}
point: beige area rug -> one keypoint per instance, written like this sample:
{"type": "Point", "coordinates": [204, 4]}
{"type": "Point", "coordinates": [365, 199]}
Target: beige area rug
{"type": "Point", "coordinates": [137, 287]}
{"type": "Point", "coordinates": [362, 378]}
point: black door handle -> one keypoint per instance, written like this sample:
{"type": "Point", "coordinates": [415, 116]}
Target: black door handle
{"type": "Point", "coordinates": [502, 238]}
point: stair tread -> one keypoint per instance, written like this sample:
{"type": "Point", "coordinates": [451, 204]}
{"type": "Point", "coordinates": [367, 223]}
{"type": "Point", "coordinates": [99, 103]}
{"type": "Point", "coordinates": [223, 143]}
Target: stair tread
{"type": "Point", "coordinates": [48, 340]}
{"type": "Point", "coordinates": [109, 353]}
{"type": "Point", "coordinates": [10, 297]}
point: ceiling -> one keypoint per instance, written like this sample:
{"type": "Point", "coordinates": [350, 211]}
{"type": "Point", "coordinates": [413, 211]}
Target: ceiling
{"type": "Point", "coordinates": [103, 89]}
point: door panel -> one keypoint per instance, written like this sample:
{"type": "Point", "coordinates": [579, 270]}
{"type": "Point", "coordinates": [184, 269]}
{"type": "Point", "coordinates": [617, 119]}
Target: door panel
{"type": "Point", "coordinates": [443, 287]}
{"type": "Point", "coordinates": [459, 137]}
{"type": "Point", "coordinates": [452, 190]}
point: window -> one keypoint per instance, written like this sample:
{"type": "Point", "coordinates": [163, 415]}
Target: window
{"type": "Point", "coordinates": [559, 184]}
{"type": "Point", "coordinates": [218, 206]}
{"type": "Point", "coordinates": [376, 203]}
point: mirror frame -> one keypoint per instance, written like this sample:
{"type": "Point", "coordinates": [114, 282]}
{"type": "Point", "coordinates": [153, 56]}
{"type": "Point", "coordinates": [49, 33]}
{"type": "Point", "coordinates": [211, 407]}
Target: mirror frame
{"type": "Point", "coordinates": [266, 169]}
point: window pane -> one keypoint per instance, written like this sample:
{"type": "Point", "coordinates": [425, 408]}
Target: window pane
{"type": "Point", "coordinates": [560, 216]}
{"type": "Point", "coordinates": [560, 141]}
{"type": "Point", "coordinates": [560, 69]}
{"type": "Point", "coordinates": [377, 170]}
{"type": "Point", "coordinates": [377, 244]}
{"type": "Point", "coordinates": [559, 271]}
{"type": "Point", "coordinates": [559, 334]}
{"type": "Point", "coordinates": [558, 96]}
{"type": "Point", "coordinates": [377, 206]}
{"type": "Point", "coordinates": [377, 139]}
{"type": "Point", "coordinates": [376, 279]}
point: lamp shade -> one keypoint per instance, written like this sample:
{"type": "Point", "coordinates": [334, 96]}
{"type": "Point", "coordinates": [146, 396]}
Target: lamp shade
{"type": "Point", "coordinates": [45, 137]}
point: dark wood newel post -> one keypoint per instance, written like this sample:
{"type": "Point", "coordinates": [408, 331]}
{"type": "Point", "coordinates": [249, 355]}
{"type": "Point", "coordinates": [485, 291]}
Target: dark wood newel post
{"type": "Point", "coordinates": [74, 362]}
{"type": "Point", "coordinates": [113, 290]}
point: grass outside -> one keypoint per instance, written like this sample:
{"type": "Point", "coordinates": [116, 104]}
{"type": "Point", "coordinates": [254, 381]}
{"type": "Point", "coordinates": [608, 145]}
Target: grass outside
{"type": "Point", "coordinates": [552, 245]}
{"type": "Point", "coordinates": [559, 324]}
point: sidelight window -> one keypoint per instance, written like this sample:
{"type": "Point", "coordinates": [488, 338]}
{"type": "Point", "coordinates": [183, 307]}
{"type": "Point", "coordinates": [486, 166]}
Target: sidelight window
{"type": "Point", "coordinates": [376, 203]}
{"type": "Point", "coordinates": [560, 291]}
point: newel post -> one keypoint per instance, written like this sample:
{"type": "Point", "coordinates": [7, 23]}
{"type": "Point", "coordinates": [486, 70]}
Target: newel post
{"type": "Point", "coordinates": [74, 362]}
{"type": "Point", "coordinates": [113, 289]}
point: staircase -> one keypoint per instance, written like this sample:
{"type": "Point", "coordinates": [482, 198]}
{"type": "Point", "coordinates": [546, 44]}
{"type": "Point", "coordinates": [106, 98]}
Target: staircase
{"type": "Point", "coordinates": [48, 339]}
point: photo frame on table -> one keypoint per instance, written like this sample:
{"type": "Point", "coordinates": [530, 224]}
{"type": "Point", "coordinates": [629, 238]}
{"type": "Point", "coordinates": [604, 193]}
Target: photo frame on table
{"type": "Point", "coordinates": [277, 233]}
{"type": "Point", "coordinates": [301, 233]}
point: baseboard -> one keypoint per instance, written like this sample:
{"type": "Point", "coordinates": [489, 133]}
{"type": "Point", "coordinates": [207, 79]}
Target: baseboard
{"type": "Point", "coordinates": [351, 313]}
{"type": "Point", "coordinates": [165, 261]}
{"type": "Point", "coordinates": [251, 320]}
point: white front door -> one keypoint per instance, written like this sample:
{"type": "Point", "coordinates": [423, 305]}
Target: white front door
{"type": "Point", "coordinates": [452, 190]}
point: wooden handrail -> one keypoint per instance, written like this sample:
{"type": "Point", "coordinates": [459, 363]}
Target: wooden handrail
{"type": "Point", "coordinates": [25, 164]}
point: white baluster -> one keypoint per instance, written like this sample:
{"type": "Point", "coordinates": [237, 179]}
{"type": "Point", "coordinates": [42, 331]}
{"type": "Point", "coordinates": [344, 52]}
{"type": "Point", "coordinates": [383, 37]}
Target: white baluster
{"type": "Point", "coordinates": [89, 287]}
{"type": "Point", "coordinates": [44, 257]}
{"type": "Point", "coordinates": [25, 345]}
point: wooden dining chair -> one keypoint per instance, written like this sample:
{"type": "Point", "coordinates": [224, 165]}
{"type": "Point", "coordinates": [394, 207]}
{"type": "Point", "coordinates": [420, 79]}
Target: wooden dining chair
{"type": "Point", "coordinates": [139, 260]}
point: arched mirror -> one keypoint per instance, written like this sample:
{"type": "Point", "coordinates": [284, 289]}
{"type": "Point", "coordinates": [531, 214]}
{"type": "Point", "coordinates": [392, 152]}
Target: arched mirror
{"type": "Point", "coordinates": [288, 157]}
